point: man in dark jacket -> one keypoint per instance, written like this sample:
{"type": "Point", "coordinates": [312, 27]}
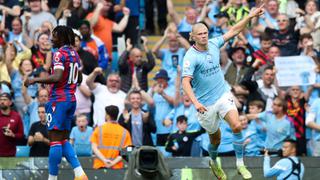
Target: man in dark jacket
{"type": "Point", "coordinates": [140, 124]}
{"type": "Point", "coordinates": [131, 61]}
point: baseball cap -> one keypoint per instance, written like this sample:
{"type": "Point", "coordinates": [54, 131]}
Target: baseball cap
{"type": "Point", "coordinates": [162, 74]}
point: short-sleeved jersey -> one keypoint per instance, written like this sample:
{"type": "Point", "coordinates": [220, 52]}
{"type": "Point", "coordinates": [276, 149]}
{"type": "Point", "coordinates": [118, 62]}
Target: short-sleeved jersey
{"type": "Point", "coordinates": [67, 59]}
{"type": "Point", "coordinates": [204, 68]}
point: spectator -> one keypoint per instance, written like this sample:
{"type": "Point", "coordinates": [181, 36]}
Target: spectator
{"type": "Point", "coordinates": [266, 87]}
{"type": "Point", "coordinates": [31, 115]}
{"type": "Point", "coordinates": [236, 10]}
{"type": "Point", "coordinates": [72, 14]}
{"type": "Point", "coordinates": [237, 69]}
{"type": "Point", "coordinates": [102, 26]}
{"type": "Point", "coordinates": [297, 102]}
{"type": "Point", "coordinates": [270, 16]}
{"type": "Point", "coordinates": [38, 135]}
{"type": "Point", "coordinates": [161, 15]}
{"type": "Point", "coordinates": [80, 136]}
{"type": "Point", "coordinates": [180, 142]}
{"type": "Point", "coordinates": [5, 76]}
{"type": "Point", "coordinates": [105, 95]}
{"type": "Point", "coordinates": [41, 52]}
{"type": "Point", "coordinates": [131, 62]}
{"type": "Point", "coordinates": [83, 96]}
{"type": "Point", "coordinates": [12, 8]}
{"type": "Point", "coordinates": [107, 144]}
{"type": "Point", "coordinates": [36, 17]}
{"type": "Point", "coordinates": [25, 69]}
{"type": "Point", "coordinates": [93, 44]}
{"type": "Point", "coordinates": [309, 21]}
{"type": "Point", "coordinates": [313, 122]}
{"type": "Point", "coordinates": [306, 47]}
{"type": "Point", "coordinates": [140, 124]}
{"type": "Point", "coordinates": [285, 38]}
{"type": "Point", "coordinates": [250, 135]}
{"type": "Point", "coordinates": [256, 107]}
{"type": "Point", "coordinates": [261, 55]}
{"type": "Point", "coordinates": [172, 56]}
{"type": "Point", "coordinates": [16, 34]}
{"type": "Point", "coordinates": [163, 96]}
{"type": "Point", "coordinates": [133, 28]}
{"type": "Point", "coordinates": [184, 25]}
{"type": "Point", "coordinates": [89, 62]}
{"type": "Point", "coordinates": [278, 124]}
{"type": "Point", "coordinates": [290, 167]}
{"type": "Point", "coordinates": [11, 126]}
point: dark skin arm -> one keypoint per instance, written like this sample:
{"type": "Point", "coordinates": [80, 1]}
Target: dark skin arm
{"type": "Point", "coordinates": [54, 78]}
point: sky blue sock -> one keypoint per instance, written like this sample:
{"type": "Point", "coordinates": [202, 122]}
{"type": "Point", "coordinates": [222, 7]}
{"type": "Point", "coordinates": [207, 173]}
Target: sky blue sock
{"type": "Point", "coordinates": [55, 155]}
{"type": "Point", "coordinates": [212, 150]}
{"type": "Point", "coordinates": [238, 144]}
{"type": "Point", "coordinates": [70, 155]}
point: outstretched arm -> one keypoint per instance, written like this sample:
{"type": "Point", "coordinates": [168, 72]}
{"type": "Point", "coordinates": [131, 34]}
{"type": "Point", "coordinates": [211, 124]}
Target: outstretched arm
{"type": "Point", "coordinates": [171, 11]}
{"type": "Point", "coordinates": [236, 29]}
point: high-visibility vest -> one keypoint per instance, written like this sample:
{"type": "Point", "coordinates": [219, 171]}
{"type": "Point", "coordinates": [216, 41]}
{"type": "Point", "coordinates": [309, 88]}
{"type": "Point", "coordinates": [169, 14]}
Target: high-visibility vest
{"type": "Point", "coordinates": [110, 138]}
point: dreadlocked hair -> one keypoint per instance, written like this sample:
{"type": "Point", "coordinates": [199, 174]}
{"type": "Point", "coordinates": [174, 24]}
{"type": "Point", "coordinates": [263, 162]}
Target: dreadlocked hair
{"type": "Point", "coordinates": [65, 35]}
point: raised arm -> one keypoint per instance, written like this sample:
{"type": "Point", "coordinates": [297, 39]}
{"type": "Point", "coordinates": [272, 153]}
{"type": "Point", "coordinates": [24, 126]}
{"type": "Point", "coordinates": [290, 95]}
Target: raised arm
{"type": "Point", "coordinates": [171, 11]}
{"type": "Point", "coordinates": [124, 21]}
{"type": "Point", "coordinates": [237, 28]}
{"type": "Point", "coordinates": [9, 57]}
{"type": "Point", "coordinates": [92, 76]}
{"type": "Point", "coordinates": [183, 42]}
{"type": "Point", "coordinates": [96, 13]}
{"type": "Point", "coordinates": [14, 11]}
{"type": "Point", "coordinates": [157, 46]}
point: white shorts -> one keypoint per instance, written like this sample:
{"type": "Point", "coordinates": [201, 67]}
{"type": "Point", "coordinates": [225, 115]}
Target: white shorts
{"type": "Point", "coordinates": [209, 120]}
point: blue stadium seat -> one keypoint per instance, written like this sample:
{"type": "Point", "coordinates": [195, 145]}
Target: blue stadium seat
{"type": "Point", "coordinates": [23, 151]}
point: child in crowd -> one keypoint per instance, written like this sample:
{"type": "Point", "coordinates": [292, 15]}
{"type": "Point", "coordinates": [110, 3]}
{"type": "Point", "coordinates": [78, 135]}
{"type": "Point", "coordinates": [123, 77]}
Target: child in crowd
{"type": "Point", "coordinates": [180, 142]}
{"type": "Point", "coordinates": [256, 107]}
{"type": "Point", "coordinates": [80, 136]}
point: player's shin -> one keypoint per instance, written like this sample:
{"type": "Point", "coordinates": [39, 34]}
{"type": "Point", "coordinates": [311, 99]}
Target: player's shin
{"type": "Point", "coordinates": [55, 155]}
{"type": "Point", "coordinates": [71, 157]}
{"type": "Point", "coordinates": [238, 147]}
{"type": "Point", "coordinates": [214, 144]}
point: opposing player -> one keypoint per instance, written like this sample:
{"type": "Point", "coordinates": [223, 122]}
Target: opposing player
{"type": "Point", "coordinates": [60, 109]}
{"type": "Point", "coordinates": [211, 94]}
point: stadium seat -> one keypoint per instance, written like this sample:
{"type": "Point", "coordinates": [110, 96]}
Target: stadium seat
{"type": "Point", "coordinates": [23, 151]}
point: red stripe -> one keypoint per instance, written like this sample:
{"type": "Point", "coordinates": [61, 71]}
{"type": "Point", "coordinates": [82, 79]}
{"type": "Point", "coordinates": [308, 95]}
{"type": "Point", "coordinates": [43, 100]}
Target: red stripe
{"type": "Point", "coordinates": [55, 143]}
{"type": "Point", "coordinates": [64, 141]}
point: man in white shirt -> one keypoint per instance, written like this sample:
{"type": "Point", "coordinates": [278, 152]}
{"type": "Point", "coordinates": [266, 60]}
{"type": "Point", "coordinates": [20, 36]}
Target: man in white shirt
{"type": "Point", "coordinates": [267, 88]}
{"type": "Point", "coordinates": [105, 95]}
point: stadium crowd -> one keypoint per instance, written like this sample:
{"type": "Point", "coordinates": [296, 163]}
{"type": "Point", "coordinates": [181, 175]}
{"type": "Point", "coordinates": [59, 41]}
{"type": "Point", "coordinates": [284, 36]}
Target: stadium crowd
{"type": "Point", "coordinates": [116, 61]}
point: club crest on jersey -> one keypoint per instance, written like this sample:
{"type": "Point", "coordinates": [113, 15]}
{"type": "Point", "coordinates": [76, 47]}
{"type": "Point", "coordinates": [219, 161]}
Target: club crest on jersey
{"type": "Point", "coordinates": [72, 53]}
{"type": "Point", "coordinates": [209, 58]}
{"type": "Point", "coordinates": [53, 107]}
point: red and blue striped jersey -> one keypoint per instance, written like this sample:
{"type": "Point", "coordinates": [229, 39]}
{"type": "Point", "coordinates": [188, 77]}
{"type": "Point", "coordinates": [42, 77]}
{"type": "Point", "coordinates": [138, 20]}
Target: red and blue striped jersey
{"type": "Point", "coordinates": [67, 59]}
